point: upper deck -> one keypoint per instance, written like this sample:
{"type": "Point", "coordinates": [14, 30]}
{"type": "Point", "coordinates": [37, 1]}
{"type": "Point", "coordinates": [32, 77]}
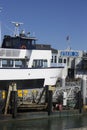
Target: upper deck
{"type": "Point", "coordinates": [24, 50]}
{"type": "Point", "coordinates": [19, 42]}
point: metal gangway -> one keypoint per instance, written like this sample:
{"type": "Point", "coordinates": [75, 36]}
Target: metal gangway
{"type": "Point", "coordinates": [68, 92]}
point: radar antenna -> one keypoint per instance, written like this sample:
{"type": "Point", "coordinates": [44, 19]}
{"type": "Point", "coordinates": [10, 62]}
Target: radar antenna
{"type": "Point", "coordinates": [17, 24]}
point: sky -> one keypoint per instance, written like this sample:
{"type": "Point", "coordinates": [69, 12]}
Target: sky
{"type": "Point", "coordinates": [50, 21]}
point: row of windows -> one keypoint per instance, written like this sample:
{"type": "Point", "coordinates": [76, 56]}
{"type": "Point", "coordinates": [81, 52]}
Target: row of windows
{"type": "Point", "coordinates": [22, 63]}
{"type": "Point", "coordinates": [17, 42]}
{"type": "Point", "coordinates": [39, 63]}
{"type": "Point", "coordinates": [13, 63]}
{"type": "Point", "coordinates": [60, 60]}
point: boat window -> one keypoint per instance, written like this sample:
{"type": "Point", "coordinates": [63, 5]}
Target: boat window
{"type": "Point", "coordinates": [44, 63]}
{"type": "Point", "coordinates": [52, 60]}
{"type": "Point", "coordinates": [39, 63]}
{"type": "Point", "coordinates": [21, 63]}
{"type": "Point", "coordinates": [55, 60]}
{"type": "Point", "coordinates": [64, 60]}
{"type": "Point", "coordinates": [8, 44]}
{"type": "Point", "coordinates": [18, 63]}
{"type": "Point", "coordinates": [28, 43]}
{"type": "Point", "coordinates": [7, 63]}
{"type": "Point", "coordinates": [0, 63]}
{"type": "Point", "coordinates": [60, 60]}
{"type": "Point", "coordinates": [24, 41]}
{"type": "Point", "coordinates": [15, 41]}
{"type": "Point", "coordinates": [33, 41]}
{"type": "Point", "coordinates": [68, 61]}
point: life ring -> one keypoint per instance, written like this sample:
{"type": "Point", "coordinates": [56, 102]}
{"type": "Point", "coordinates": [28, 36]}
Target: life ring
{"type": "Point", "coordinates": [23, 47]}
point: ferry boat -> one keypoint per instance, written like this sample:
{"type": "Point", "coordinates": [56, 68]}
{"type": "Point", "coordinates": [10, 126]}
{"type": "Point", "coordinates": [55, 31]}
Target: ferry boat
{"type": "Point", "coordinates": [26, 63]}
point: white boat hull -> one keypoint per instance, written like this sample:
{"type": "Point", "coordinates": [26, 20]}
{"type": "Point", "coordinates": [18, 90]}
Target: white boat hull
{"type": "Point", "coordinates": [49, 75]}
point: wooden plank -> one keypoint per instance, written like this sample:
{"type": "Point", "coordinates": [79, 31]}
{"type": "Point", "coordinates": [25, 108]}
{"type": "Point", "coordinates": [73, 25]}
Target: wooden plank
{"type": "Point", "coordinates": [8, 99]}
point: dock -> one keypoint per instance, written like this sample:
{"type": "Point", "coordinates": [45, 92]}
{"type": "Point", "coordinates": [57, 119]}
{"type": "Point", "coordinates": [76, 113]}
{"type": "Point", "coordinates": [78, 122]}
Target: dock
{"type": "Point", "coordinates": [32, 106]}
{"type": "Point", "coordinates": [42, 104]}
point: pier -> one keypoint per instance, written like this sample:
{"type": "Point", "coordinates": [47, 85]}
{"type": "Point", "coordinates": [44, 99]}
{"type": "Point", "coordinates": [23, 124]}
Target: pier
{"type": "Point", "coordinates": [43, 102]}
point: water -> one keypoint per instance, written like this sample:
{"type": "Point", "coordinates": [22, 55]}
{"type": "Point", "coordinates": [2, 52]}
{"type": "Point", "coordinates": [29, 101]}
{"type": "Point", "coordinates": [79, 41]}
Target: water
{"type": "Point", "coordinates": [65, 123]}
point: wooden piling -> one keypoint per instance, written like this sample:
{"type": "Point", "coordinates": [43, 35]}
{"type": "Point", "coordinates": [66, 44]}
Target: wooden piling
{"type": "Point", "coordinates": [49, 102]}
{"type": "Point", "coordinates": [14, 101]}
{"type": "Point", "coordinates": [46, 93]}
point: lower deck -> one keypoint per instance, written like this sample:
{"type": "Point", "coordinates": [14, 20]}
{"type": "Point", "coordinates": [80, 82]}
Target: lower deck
{"type": "Point", "coordinates": [22, 84]}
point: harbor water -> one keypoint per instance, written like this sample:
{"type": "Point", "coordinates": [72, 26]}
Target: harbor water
{"type": "Point", "coordinates": [62, 123]}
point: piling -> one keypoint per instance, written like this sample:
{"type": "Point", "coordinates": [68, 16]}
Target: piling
{"type": "Point", "coordinates": [83, 88]}
{"type": "Point", "coordinates": [49, 102]}
{"type": "Point", "coordinates": [46, 93]}
{"type": "Point", "coordinates": [14, 101]}
{"type": "Point", "coordinates": [80, 101]}
{"type": "Point", "coordinates": [7, 99]}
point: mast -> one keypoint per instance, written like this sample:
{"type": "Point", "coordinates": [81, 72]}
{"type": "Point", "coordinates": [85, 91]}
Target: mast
{"type": "Point", "coordinates": [17, 24]}
{"type": "Point", "coordinates": [68, 42]}
{"type": "Point", "coordinates": [0, 28]}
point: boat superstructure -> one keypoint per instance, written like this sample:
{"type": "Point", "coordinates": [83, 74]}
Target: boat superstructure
{"type": "Point", "coordinates": [26, 63]}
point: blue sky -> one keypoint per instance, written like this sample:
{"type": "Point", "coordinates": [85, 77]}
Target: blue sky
{"type": "Point", "coordinates": [51, 21]}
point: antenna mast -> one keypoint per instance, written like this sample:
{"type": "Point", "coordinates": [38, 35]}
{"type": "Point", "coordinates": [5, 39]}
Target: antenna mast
{"type": "Point", "coordinates": [0, 28]}
{"type": "Point", "coordinates": [68, 41]}
{"type": "Point", "coordinates": [17, 24]}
